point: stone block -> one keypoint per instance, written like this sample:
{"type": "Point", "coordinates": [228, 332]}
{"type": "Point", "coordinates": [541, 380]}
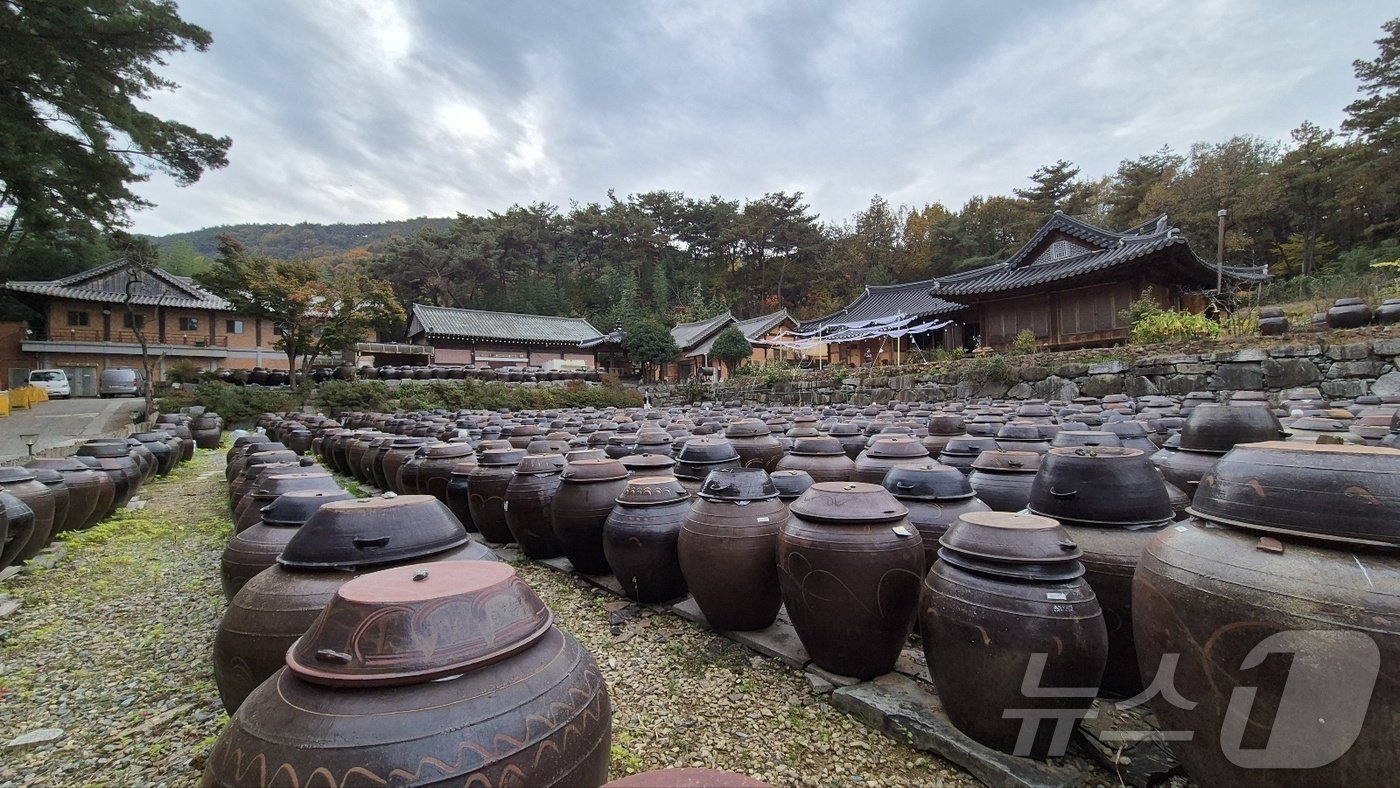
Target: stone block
{"type": "Point", "coordinates": [1248, 354]}
{"type": "Point", "coordinates": [1386, 347]}
{"type": "Point", "coordinates": [901, 707]}
{"type": "Point", "coordinates": [1288, 373]}
{"type": "Point", "coordinates": [1182, 384]}
{"type": "Point", "coordinates": [35, 738]}
{"type": "Point", "coordinates": [992, 389]}
{"type": "Point", "coordinates": [1364, 368]}
{"type": "Point", "coordinates": [1101, 385]}
{"type": "Point", "coordinates": [1139, 386]}
{"type": "Point", "coordinates": [1295, 351]}
{"type": "Point", "coordinates": [1072, 370]}
{"type": "Point", "coordinates": [1108, 368]}
{"type": "Point", "coordinates": [1021, 390]}
{"type": "Point", "coordinates": [1195, 369]}
{"type": "Point", "coordinates": [1247, 376]}
{"type": "Point", "coordinates": [779, 641]}
{"type": "Point", "coordinates": [1033, 374]}
{"type": "Point", "coordinates": [1349, 352]}
{"type": "Point", "coordinates": [1344, 389]}
{"type": "Point", "coordinates": [688, 610]}
{"type": "Point", "coordinates": [1387, 385]}
{"type": "Point", "coordinates": [1145, 369]}
{"type": "Point", "coordinates": [835, 679]}
{"type": "Point", "coordinates": [9, 605]}
{"type": "Point", "coordinates": [1056, 387]}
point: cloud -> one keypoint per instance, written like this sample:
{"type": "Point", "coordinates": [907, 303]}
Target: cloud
{"type": "Point", "coordinates": [380, 109]}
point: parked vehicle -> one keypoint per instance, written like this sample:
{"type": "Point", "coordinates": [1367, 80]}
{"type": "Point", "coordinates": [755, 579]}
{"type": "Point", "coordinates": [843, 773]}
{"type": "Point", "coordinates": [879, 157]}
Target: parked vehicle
{"type": "Point", "coordinates": [53, 381]}
{"type": "Point", "coordinates": [120, 381]}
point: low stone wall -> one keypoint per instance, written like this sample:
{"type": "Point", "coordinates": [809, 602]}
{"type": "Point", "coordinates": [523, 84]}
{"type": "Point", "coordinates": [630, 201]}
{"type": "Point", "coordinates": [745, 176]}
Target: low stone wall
{"type": "Point", "coordinates": [1340, 371]}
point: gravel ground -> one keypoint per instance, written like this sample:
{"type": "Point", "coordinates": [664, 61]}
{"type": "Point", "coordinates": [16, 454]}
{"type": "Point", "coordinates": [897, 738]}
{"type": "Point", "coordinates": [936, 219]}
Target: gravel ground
{"type": "Point", "coordinates": [113, 647]}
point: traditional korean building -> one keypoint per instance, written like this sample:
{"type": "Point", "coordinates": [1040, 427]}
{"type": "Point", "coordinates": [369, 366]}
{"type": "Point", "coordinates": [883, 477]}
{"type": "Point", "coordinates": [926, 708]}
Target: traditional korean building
{"type": "Point", "coordinates": [764, 332]}
{"type": "Point", "coordinates": [84, 326]}
{"type": "Point", "coordinates": [474, 337]}
{"type": "Point", "coordinates": [1067, 285]}
{"type": "Point", "coordinates": [695, 340]}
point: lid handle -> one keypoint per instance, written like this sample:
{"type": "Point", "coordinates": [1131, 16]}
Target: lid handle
{"type": "Point", "coordinates": [369, 543]}
{"type": "Point", "coordinates": [331, 655]}
{"type": "Point", "coordinates": [904, 485]}
{"type": "Point", "coordinates": [1063, 493]}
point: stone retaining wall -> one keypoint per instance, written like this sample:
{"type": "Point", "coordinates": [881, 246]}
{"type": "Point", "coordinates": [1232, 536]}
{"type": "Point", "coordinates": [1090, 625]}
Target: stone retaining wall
{"type": "Point", "coordinates": [1340, 371]}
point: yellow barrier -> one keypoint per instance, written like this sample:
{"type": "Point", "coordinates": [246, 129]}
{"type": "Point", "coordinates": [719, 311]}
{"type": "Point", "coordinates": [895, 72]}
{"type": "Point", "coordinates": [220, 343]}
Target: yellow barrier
{"type": "Point", "coordinates": [19, 398]}
{"type": "Point", "coordinates": [38, 395]}
{"type": "Point", "coordinates": [5, 405]}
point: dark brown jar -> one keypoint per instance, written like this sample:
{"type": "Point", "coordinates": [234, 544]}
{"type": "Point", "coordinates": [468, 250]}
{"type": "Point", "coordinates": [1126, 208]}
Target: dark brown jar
{"type": "Point", "coordinates": [886, 453]}
{"type": "Point", "coordinates": [272, 484]}
{"type": "Point", "coordinates": [822, 457]}
{"type": "Point", "coordinates": [338, 542]}
{"type": "Point", "coordinates": [457, 494]}
{"type": "Point", "coordinates": [208, 430]}
{"type": "Point", "coordinates": [239, 453]}
{"type": "Point", "coordinates": [114, 460]}
{"type": "Point", "coordinates": [435, 674]}
{"type": "Point", "coordinates": [529, 505]}
{"type": "Point", "coordinates": [587, 493]}
{"type": "Point", "coordinates": [936, 496]}
{"type": "Point", "coordinates": [1006, 593]}
{"type": "Point", "coordinates": [640, 535]}
{"type": "Point", "coordinates": [648, 464]}
{"type": "Point", "coordinates": [373, 462]}
{"type": "Point", "coordinates": [849, 565]}
{"type": "Point", "coordinates": [963, 450]}
{"type": "Point", "coordinates": [1286, 586]}
{"type": "Point", "coordinates": [90, 492]}
{"type": "Point", "coordinates": [1002, 479]}
{"type": "Point", "coordinates": [18, 527]}
{"type": "Point", "coordinates": [20, 482]}
{"type": "Point", "coordinates": [757, 448]}
{"type": "Point", "coordinates": [244, 481]}
{"type": "Point", "coordinates": [401, 450]}
{"type": "Point", "coordinates": [62, 499]}
{"type": "Point", "coordinates": [155, 443]}
{"type": "Point", "coordinates": [252, 550]}
{"type": "Point", "coordinates": [488, 481]}
{"type": "Point", "coordinates": [728, 549]}
{"type": "Point", "coordinates": [699, 457]}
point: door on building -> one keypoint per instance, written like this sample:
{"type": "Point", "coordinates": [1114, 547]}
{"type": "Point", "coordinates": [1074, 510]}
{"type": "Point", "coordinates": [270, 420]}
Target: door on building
{"type": "Point", "coordinates": [18, 377]}
{"type": "Point", "coordinates": [83, 380]}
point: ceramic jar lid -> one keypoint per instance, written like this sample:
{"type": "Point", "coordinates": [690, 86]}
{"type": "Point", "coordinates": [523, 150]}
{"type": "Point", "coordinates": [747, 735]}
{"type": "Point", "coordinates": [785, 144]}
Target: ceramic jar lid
{"type": "Point", "coordinates": [437, 451]}
{"type": "Point", "coordinates": [15, 474]}
{"type": "Point", "coordinates": [1001, 461]}
{"type": "Point", "coordinates": [897, 447]}
{"type": "Point", "coordinates": [855, 503]}
{"type": "Point", "coordinates": [412, 624]}
{"type": "Point", "coordinates": [1011, 545]}
{"type": "Point", "coordinates": [370, 531]}
{"type": "Point", "coordinates": [738, 485]}
{"type": "Point", "coordinates": [1333, 492]}
{"type": "Point", "coordinates": [540, 464]}
{"type": "Point", "coordinates": [600, 470]}
{"type": "Point", "coordinates": [969, 445]}
{"type": "Point", "coordinates": [500, 457]}
{"type": "Point", "coordinates": [746, 428]}
{"type": "Point", "coordinates": [1218, 428]}
{"type": "Point", "coordinates": [1100, 486]}
{"type": "Point", "coordinates": [652, 491]}
{"type": "Point", "coordinates": [818, 446]}
{"type": "Point", "coordinates": [790, 484]}
{"type": "Point", "coordinates": [931, 482]}
{"type": "Point", "coordinates": [647, 463]}
{"type": "Point", "coordinates": [294, 508]}
{"type": "Point", "coordinates": [708, 449]}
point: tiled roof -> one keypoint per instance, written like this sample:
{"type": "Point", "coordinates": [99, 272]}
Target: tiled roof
{"type": "Point", "coordinates": [441, 321]}
{"type": "Point", "coordinates": [1018, 272]}
{"type": "Point", "coordinates": [689, 336]}
{"type": "Point", "coordinates": [107, 284]}
{"type": "Point", "coordinates": [911, 298]}
{"type": "Point", "coordinates": [756, 327]}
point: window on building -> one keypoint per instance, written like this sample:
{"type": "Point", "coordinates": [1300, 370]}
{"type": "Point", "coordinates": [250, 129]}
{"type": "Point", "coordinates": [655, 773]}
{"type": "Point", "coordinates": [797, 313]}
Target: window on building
{"type": "Point", "coordinates": [189, 324]}
{"type": "Point", "coordinates": [133, 322]}
{"type": "Point", "coordinates": [235, 326]}
{"type": "Point", "coordinates": [77, 318]}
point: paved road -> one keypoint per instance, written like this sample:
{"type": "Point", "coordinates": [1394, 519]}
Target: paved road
{"type": "Point", "coordinates": [62, 421]}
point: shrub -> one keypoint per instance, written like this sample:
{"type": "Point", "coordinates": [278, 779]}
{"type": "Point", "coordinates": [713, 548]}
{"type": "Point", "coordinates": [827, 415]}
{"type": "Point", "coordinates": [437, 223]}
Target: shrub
{"type": "Point", "coordinates": [475, 395]}
{"type": "Point", "coordinates": [183, 371]}
{"type": "Point", "coordinates": [337, 396]}
{"type": "Point", "coordinates": [1170, 325]}
{"type": "Point", "coordinates": [1024, 344]}
{"type": "Point", "coordinates": [239, 405]}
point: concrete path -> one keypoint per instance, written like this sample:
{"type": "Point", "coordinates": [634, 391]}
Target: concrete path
{"type": "Point", "coordinates": [63, 422]}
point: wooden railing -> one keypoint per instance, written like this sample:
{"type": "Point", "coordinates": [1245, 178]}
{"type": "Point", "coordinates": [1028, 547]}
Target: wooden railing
{"type": "Point", "coordinates": [122, 335]}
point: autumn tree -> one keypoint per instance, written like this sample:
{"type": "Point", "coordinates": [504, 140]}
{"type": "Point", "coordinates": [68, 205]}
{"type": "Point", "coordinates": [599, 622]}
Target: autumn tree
{"type": "Point", "coordinates": [647, 342]}
{"type": "Point", "coordinates": [74, 78]}
{"type": "Point", "coordinates": [312, 315]}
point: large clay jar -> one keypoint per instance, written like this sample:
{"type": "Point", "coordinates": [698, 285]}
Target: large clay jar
{"type": "Point", "coordinates": [822, 457]}
{"type": "Point", "coordinates": [886, 453]}
{"type": "Point", "coordinates": [434, 471]}
{"type": "Point", "coordinates": [698, 458]}
{"type": "Point", "coordinates": [207, 429]}
{"type": "Point", "coordinates": [245, 480]}
{"type": "Point", "coordinates": [20, 482]}
{"type": "Point", "coordinates": [849, 565]}
{"type": "Point", "coordinates": [401, 450]}
{"type": "Point", "coordinates": [1348, 313]}
{"type": "Point", "coordinates": [851, 436]}
{"type": "Point", "coordinates": [529, 505]}
{"type": "Point", "coordinates": [270, 486]}
{"type": "Point", "coordinates": [338, 542]}
{"type": "Point", "coordinates": [1277, 604]}
{"type": "Point", "coordinates": [1112, 502]}
{"type": "Point", "coordinates": [117, 462]}
{"type": "Point", "coordinates": [728, 549]}
{"type": "Point", "coordinates": [936, 496]}
{"type": "Point", "coordinates": [757, 448]}
{"type": "Point", "coordinates": [236, 458]}
{"type": "Point", "coordinates": [18, 527]}
{"type": "Point", "coordinates": [155, 443]}
{"type": "Point", "coordinates": [1002, 479]}
{"type": "Point", "coordinates": [963, 450]}
{"type": "Point", "coordinates": [587, 493]}
{"type": "Point", "coordinates": [488, 481]}
{"type": "Point", "coordinates": [62, 499]}
{"type": "Point", "coordinates": [458, 492]}
{"type": "Point", "coordinates": [87, 489]}
{"type": "Point", "coordinates": [434, 674]}
{"type": "Point", "coordinates": [640, 535]}
{"type": "Point", "coordinates": [1004, 605]}
{"type": "Point", "coordinates": [255, 549]}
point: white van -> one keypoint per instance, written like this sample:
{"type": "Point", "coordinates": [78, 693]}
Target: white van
{"type": "Point", "coordinates": [54, 381]}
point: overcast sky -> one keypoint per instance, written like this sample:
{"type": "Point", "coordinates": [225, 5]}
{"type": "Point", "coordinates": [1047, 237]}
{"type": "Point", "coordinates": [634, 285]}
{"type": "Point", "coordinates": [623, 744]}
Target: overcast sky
{"type": "Point", "coordinates": [371, 110]}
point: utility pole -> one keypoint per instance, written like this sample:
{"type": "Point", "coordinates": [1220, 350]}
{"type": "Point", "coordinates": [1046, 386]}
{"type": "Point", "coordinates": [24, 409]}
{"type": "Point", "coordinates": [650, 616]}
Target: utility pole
{"type": "Point", "coordinates": [1220, 252]}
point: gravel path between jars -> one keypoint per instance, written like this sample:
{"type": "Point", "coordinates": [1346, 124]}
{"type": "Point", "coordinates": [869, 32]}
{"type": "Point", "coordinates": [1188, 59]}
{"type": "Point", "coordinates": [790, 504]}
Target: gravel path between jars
{"type": "Point", "coordinates": [113, 646]}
